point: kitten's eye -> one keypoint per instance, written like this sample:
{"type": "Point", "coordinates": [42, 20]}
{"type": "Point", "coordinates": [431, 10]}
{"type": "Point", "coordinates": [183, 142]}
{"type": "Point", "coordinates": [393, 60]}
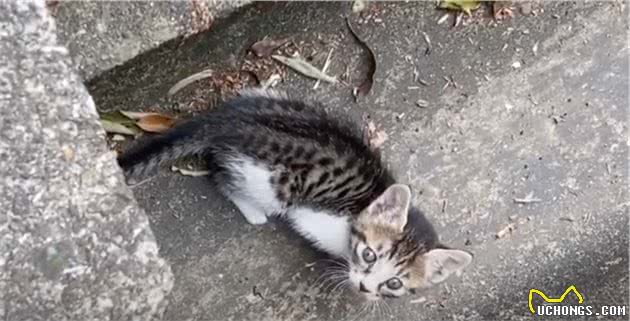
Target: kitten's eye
{"type": "Point", "coordinates": [394, 283]}
{"type": "Point", "coordinates": [368, 255]}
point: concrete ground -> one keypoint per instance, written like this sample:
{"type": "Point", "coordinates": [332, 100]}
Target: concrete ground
{"type": "Point", "coordinates": [540, 108]}
{"type": "Point", "coordinates": [103, 34]}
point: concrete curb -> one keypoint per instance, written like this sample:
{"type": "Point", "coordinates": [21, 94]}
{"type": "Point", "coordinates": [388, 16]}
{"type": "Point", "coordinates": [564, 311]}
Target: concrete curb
{"type": "Point", "coordinates": [101, 35]}
{"type": "Point", "coordinates": [74, 245]}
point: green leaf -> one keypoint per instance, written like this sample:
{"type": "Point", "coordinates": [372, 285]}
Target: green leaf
{"type": "Point", "coordinates": [462, 5]}
{"type": "Point", "coordinates": [303, 67]}
{"type": "Point", "coordinates": [118, 118]}
{"type": "Point", "coordinates": [117, 128]}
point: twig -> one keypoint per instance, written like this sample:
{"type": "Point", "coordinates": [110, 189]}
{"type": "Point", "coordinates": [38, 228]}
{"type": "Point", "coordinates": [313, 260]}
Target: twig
{"type": "Point", "coordinates": [442, 19]}
{"type": "Point", "coordinates": [271, 81]}
{"type": "Point", "coordinates": [421, 103]}
{"type": "Point", "coordinates": [527, 199]}
{"type": "Point", "coordinates": [189, 80]}
{"type": "Point", "coordinates": [504, 231]}
{"type": "Point", "coordinates": [325, 68]}
{"type": "Point", "coordinates": [134, 185]}
{"type": "Point", "coordinates": [304, 68]}
{"type": "Point", "coordinates": [187, 172]}
{"type": "Point", "coordinates": [449, 82]}
{"type": "Point", "coordinates": [257, 293]}
{"type": "Point", "coordinates": [416, 74]}
{"type": "Point", "coordinates": [312, 264]}
{"type": "Point", "coordinates": [427, 40]}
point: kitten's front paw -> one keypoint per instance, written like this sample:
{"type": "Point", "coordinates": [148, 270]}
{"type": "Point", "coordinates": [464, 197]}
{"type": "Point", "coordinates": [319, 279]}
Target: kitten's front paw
{"type": "Point", "coordinates": [252, 214]}
{"type": "Point", "coordinates": [256, 220]}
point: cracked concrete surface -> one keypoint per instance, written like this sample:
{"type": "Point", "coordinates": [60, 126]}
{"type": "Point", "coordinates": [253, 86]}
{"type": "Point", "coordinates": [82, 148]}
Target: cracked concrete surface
{"type": "Point", "coordinates": [553, 126]}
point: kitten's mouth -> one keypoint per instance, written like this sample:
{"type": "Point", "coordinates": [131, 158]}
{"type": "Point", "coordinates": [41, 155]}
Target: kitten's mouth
{"type": "Point", "coordinates": [366, 296]}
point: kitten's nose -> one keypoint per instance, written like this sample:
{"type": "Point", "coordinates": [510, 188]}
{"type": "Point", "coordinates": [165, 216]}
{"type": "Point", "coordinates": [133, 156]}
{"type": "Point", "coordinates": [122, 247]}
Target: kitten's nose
{"type": "Point", "coordinates": [362, 288]}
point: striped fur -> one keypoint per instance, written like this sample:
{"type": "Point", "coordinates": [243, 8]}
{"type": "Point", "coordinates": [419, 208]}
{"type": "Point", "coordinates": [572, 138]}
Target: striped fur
{"type": "Point", "coordinates": [271, 155]}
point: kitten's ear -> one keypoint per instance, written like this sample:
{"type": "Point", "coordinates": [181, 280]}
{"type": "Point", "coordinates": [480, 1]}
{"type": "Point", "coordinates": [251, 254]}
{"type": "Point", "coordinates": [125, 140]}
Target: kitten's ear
{"type": "Point", "coordinates": [392, 207]}
{"type": "Point", "coordinates": [440, 263]}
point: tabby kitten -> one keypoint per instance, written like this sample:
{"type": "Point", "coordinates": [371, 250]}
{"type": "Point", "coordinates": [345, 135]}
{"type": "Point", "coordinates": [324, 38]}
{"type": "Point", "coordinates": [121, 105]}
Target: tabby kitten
{"type": "Point", "coordinates": [274, 156]}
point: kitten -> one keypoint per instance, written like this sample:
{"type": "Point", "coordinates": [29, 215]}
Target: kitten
{"type": "Point", "coordinates": [274, 156]}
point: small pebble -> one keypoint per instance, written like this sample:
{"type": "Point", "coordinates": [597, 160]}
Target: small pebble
{"type": "Point", "coordinates": [526, 8]}
{"type": "Point", "coordinates": [422, 103]}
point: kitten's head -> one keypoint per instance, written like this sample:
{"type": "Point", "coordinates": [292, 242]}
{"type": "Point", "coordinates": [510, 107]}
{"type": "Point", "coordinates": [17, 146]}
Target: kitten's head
{"type": "Point", "coordinates": [389, 257]}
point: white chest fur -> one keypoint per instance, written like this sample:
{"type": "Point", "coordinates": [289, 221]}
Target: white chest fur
{"type": "Point", "coordinates": [256, 199]}
{"type": "Point", "coordinates": [329, 233]}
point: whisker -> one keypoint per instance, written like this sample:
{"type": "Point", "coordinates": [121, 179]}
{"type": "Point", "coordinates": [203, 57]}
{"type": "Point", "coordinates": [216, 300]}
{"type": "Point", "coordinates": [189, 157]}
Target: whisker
{"type": "Point", "coordinates": [387, 311]}
{"type": "Point", "coordinates": [333, 272]}
{"type": "Point", "coordinates": [340, 286]}
{"type": "Point", "coordinates": [329, 273]}
{"type": "Point", "coordinates": [330, 279]}
{"type": "Point", "coordinates": [384, 309]}
{"type": "Point", "coordinates": [373, 306]}
{"type": "Point", "coordinates": [327, 282]}
{"type": "Point", "coordinates": [334, 284]}
{"type": "Point", "coordinates": [361, 311]}
{"type": "Point", "coordinates": [388, 307]}
{"type": "Point", "coordinates": [343, 263]}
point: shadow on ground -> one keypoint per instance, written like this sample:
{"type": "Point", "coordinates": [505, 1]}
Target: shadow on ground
{"type": "Point", "coordinates": [539, 107]}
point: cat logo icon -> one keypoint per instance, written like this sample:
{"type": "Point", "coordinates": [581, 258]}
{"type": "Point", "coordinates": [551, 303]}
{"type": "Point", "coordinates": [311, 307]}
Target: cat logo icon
{"type": "Point", "coordinates": [552, 300]}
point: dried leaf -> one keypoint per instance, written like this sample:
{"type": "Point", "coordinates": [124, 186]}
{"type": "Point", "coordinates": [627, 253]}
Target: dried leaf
{"type": "Point", "coordinates": [189, 80]}
{"type": "Point", "coordinates": [52, 6]}
{"type": "Point", "coordinates": [187, 172]}
{"type": "Point", "coordinates": [365, 87]}
{"type": "Point", "coordinates": [265, 47]}
{"type": "Point", "coordinates": [117, 128]}
{"type": "Point", "coordinates": [461, 5]}
{"type": "Point", "coordinates": [501, 10]}
{"type": "Point", "coordinates": [359, 5]}
{"type": "Point", "coordinates": [252, 75]}
{"type": "Point", "coordinates": [155, 123]}
{"type": "Point", "coordinates": [373, 136]}
{"type": "Point", "coordinates": [303, 67]}
{"type": "Point", "coordinates": [271, 82]}
{"type": "Point", "coordinates": [117, 117]}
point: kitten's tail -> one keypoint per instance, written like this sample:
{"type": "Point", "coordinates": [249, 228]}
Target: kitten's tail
{"type": "Point", "coordinates": [146, 155]}
{"type": "Point", "coordinates": [187, 139]}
